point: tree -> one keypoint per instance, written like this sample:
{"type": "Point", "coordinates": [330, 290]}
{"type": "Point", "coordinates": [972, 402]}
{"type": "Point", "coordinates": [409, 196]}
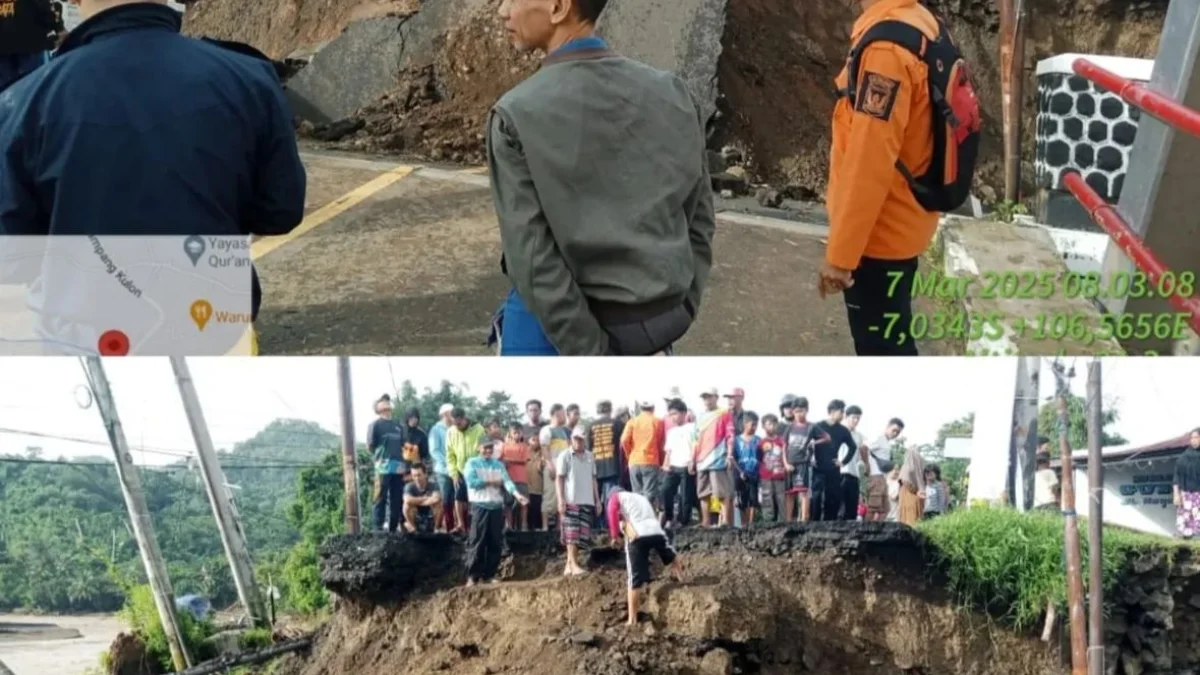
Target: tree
{"type": "Point", "coordinates": [954, 470]}
{"type": "Point", "coordinates": [499, 404]}
{"type": "Point", "coordinates": [1077, 423]}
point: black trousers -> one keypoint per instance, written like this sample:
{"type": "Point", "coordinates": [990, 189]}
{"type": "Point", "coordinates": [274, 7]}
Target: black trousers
{"type": "Point", "coordinates": [879, 307]}
{"type": "Point", "coordinates": [485, 543]}
{"type": "Point", "coordinates": [533, 512]}
{"type": "Point", "coordinates": [678, 488]}
{"type": "Point", "coordinates": [850, 494]}
{"type": "Point", "coordinates": [389, 500]}
{"type": "Point", "coordinates": [825, 494]}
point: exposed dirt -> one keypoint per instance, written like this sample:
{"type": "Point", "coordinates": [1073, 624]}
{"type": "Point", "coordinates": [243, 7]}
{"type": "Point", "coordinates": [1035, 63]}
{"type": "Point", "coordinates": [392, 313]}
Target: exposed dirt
{"type": "Point", "coordinates": [776, 73]}
{"type": "Point", "coordinates": [281, 27]}
{"type": "Point", "coordinates": [780, 59]}
{"type": "Point", "coordinates": [827, 597]}
{"type": "Point", "coordinates": [439, 110]}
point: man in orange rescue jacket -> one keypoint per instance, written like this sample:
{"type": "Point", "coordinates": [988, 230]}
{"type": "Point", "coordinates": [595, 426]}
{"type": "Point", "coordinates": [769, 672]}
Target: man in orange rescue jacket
{"type": "Point", "coordinates": [877, 229]}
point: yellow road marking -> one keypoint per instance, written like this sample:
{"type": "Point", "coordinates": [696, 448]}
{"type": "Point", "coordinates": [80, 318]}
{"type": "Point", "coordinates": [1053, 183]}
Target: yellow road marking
{"type": "Point", "coordinates": [476, 169]}
{"type": "Point", "coordinates": [262, 247]}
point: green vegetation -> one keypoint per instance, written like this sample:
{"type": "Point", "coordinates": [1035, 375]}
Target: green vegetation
{"type": "Point", "coordinates": [1077, 424]}
{"type": "Point", "coordinates": [142, 616]}
{"type": "Point", "coordinates": [1007, 210]}
{"type": "Point", "coordinates": [1012, 563]}
{"type": "Point", "coordinates": [66, 545]}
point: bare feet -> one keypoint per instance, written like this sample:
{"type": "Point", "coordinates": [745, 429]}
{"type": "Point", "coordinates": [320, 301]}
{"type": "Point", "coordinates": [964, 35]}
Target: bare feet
{"type": "Point", "coordinates": [470, 582]}
{"type": "Point", "coordinates": [409, 528]}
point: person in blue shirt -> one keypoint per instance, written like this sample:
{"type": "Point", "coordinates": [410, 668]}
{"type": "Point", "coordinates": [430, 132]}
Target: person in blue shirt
{"type": "Point", "coordinates": [440, 465]}
{"type": "Point", "coordinates": [487, 480]}
{"type": "Point", "coordinates": [746, 459]}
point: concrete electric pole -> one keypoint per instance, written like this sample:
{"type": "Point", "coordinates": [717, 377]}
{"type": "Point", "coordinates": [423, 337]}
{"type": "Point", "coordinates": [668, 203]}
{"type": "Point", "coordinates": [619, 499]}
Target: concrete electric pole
{"type": "Point", "coordinates": [1025, 432]}
{"type": "Point", "coordinates": [233, 536]}
{"type": "Point", "coordinates": [1095, 423]}
{"type": "Point", "coordinates": [139, 514]}
{"type": "Point", "coordinates": [349, 453]}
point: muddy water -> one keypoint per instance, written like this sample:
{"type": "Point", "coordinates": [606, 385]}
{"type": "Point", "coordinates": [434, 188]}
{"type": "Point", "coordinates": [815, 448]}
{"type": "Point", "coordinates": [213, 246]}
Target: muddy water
{"type": "Point", "coordinates": [69, 645]}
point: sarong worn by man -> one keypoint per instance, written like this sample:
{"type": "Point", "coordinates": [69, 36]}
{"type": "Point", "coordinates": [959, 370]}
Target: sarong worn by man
{"type": "Point", "coordinates": [605, 206]}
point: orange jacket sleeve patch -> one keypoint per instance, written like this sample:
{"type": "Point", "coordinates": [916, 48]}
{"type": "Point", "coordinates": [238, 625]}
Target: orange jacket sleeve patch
{"type": "Point", "coordinates": [877, 95]}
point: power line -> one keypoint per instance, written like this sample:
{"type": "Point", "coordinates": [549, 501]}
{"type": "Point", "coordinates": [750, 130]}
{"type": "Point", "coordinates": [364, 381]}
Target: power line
{"type": "Point", "coordinates": [166, 467]}
{"type": "Point", "coordinates": [181, 454]}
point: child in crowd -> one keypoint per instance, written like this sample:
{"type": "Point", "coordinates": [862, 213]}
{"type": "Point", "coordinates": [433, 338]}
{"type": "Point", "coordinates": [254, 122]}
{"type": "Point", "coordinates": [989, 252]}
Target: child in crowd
{"type": "Point", "coordinates": [533, 474]}
{"type": "Point", "coordinates": [798, 459]}
{"type": "Point", "coordinates": [772, 474]}
{"type": "Point", "coordinates": [937, 493]}
{"type": "Point", "coordinates": [746, 460]}
{"type": "Point", "coordinates": [515, 456]}
{"type": "Point", "coordinates": [893, 491]}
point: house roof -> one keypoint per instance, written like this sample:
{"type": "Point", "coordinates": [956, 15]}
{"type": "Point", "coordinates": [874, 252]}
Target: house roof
{"type": "Point", "coordinates": [1126, 453]}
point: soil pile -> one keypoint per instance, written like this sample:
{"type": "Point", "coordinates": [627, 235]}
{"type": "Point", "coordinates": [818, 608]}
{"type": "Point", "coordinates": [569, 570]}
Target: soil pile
{"type": "Point", "coordinates": [439, 109]}
{"type": "Point", "coordinates": [826, 597]}
{"type": "Point", "coordinates": [780, 59]}
{"type": "Point", "coordinates": [280, 28]}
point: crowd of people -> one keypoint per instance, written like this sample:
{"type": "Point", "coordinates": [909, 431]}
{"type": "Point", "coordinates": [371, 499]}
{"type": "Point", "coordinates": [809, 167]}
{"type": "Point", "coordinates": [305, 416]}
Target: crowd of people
{"type": "Point", "coordinates": [715, 465]}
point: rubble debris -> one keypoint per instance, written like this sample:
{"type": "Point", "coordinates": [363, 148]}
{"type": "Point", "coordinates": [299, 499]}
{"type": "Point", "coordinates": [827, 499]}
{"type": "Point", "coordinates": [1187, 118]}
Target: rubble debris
{"type": "Point", "coordinates": [127, 656]}
{"type": "Point", "coordinates": [764, 68]}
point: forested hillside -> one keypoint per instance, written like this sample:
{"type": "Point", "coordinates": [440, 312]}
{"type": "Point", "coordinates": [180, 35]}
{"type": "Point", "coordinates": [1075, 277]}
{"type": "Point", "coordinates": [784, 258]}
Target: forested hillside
{"type": "Point", "coordinates": [66, 546]}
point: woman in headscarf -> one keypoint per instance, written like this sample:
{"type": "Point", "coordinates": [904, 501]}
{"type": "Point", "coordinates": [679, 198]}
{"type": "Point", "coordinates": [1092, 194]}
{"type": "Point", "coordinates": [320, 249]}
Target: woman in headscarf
{"type": "Point", "coordinates": [912, 487]}
{"type": "Point", "coordinates": [1187, 489]}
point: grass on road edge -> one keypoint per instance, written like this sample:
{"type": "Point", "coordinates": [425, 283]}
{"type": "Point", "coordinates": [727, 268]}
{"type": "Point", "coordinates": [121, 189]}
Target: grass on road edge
{"type": "Point", "coordinates": [997, 558]}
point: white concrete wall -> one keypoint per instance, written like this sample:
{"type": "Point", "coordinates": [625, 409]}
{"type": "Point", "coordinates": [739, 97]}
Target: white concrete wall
{"type": "Point", "coordinates": [992, 437]}
{"type": "Point", "coordinates": [1136, 495]}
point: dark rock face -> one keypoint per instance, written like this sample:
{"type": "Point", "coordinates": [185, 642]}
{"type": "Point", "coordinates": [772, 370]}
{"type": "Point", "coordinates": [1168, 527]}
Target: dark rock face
{"type": "Point", "coordinates": [382, 568]}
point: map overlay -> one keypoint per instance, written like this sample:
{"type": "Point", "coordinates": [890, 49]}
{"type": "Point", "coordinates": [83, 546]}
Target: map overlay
{"type": "Point", "coordinates": [118, 296]}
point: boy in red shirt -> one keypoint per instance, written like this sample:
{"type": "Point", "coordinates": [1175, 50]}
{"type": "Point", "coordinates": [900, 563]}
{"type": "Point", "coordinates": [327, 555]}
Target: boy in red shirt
{"type": "Point", "coordinates": [772, 472]}
{"type": "Point", "coordinates": [515, 456]}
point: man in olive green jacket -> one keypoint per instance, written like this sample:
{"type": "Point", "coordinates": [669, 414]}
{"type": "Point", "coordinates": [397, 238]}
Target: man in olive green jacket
{"type": "Point", "coordinates": [602, 191]}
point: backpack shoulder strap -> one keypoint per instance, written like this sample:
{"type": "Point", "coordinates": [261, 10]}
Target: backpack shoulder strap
{"type": "Point", "coordinates": [897, 32]}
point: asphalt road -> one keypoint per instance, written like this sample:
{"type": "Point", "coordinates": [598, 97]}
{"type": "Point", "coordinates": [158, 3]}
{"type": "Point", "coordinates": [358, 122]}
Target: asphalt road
{"type": "Point", "coordinates": [397, 259]}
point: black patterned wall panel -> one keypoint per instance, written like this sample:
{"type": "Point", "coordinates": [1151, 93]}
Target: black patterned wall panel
{"type": "Point", "coordinates": [1083, 128]}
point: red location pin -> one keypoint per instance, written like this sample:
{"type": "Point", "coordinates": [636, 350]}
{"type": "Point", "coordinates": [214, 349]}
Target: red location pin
{"type": "Point", "coordinates": [113, 343]}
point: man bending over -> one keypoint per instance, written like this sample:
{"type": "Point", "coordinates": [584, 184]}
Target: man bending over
{"type": "Point", "coordinates": [632, 517]}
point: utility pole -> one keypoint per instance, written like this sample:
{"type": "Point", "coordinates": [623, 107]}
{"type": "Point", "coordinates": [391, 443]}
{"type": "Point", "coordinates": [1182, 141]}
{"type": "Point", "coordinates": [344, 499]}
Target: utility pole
{"type": "Point", "coordinates": [1012, 80]}
{"type": "Point", "coordinates": [1025, 436]}
{"type": "Point", "coordinates": [1071, 524]}
{"type": "Point", "coordinates": [233, 536]}
{"type": "Point", "coordinates": [139, 514]}
{"type": "Point", "coordinates": [349, 454]}
{"type": "Point", "coordinates": [1095, 523]}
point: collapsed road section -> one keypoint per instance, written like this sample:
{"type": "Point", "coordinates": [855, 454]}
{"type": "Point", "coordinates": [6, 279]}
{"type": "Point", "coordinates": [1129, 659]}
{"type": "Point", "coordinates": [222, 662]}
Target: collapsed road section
{"type": "Point", "coordinates": [816, 597]}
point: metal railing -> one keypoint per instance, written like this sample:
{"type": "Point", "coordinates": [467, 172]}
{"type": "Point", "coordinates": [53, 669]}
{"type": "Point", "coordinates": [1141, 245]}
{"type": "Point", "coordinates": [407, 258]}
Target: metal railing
{"type": "Point", "coordinates": [1104, 214]}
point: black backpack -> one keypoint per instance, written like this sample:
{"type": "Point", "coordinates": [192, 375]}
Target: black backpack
{"type": "Point", "coordinates": [956, 121]}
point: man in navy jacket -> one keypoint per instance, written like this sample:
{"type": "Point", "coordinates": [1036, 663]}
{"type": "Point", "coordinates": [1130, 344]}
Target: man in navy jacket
{"type": "Point", "coordinates": [135, 129]}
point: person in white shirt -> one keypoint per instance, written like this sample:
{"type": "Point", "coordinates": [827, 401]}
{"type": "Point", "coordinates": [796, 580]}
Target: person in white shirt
{"type": "Point", "coordinates": [631, 517]}
{"type": "Point", "coordinates": [1046, 495]}
{"type": "Point", "coordinates": [577, 498]}
{"type": "Point", "coordinates": [877, 456]}
{"type": "Point", "coordinates": [893, 494]}
{"type": "Point", "coordinates": [679, 467]}
{"type": "Point", "coordinates": [851, 465]}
